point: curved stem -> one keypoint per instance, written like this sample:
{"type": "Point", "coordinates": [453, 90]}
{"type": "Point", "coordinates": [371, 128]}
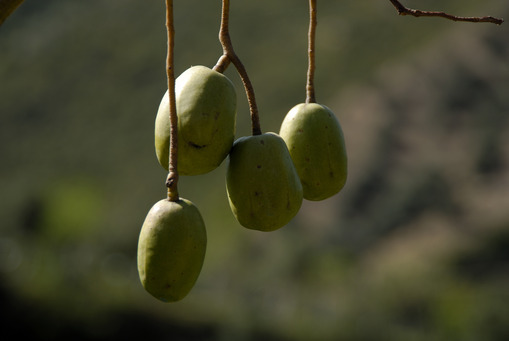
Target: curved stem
{"type": "Point", "coordinates": [229, 52]}
{"type": "Point", "coordinates": [7, 7]}
{"type": "Point", "coordinates": [222, 63]}
{"type": "Point", "coordinates": [310, 85]}
{"type": "Point", "coordinates": [172, 179]}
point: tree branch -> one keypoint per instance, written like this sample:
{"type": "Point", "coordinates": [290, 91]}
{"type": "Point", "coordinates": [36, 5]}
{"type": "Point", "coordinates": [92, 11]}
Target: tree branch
{"type": "Point", "coordinates": [7, 7]}
{"type": "Point", "coordinates": [402, 10]}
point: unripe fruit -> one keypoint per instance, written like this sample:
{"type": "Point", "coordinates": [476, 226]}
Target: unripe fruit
{"type": "Point", "coordinates": [316, 143]}
{"type": "Point", "coordinates": [206, 106]}
{"type": "Point", "coordinates": [171, 249]}
{"type": "Point", "coordinates": [263, 187]}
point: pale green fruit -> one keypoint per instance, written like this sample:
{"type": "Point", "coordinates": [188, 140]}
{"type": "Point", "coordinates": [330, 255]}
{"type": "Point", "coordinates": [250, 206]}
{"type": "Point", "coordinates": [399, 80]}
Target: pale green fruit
{"type": "Point", "coordinates": [171, 249]}
{"type": "Point", "coordinates": [263, 187]}
{"type": "Point", "coordinates": [206, 106]}
{"type": "Point", "coordinates": [316, 143]}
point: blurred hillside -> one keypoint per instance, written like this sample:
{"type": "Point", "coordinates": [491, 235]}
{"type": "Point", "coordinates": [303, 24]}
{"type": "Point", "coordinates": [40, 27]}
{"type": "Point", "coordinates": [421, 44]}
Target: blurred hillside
{"type": "Point", "coordinates": [416, 247]}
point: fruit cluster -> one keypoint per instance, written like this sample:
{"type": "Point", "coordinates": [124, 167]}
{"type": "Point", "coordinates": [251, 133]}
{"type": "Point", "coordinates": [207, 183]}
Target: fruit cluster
{"type": "Point", "coordinates": [268, 175]}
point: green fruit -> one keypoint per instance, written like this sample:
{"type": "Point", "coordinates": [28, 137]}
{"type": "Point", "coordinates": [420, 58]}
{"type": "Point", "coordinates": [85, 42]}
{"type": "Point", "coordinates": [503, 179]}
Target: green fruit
{"type": "Point", "coordinates": [316, 143]}
{"type": "Point", "coordinates": [171, 249]}
{"type": "Point", "coordinates": [263, 187]}
{"type": "Point", "coordinates": [206, 108]}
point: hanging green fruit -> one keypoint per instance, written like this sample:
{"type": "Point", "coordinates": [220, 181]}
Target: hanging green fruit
{"type": "Point", "coordinates": [171, 249]}
{"type": "Point", "coordinates": [206, 107]}
{"type": "Point", "coordinates": [263, 187]}
{"type": "Point", "coordinates": [317, 146]}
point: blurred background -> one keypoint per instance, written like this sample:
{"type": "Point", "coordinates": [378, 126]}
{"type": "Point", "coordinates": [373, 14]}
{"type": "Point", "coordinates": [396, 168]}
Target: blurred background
{"type": "Point", "coordinates": [416, 246]}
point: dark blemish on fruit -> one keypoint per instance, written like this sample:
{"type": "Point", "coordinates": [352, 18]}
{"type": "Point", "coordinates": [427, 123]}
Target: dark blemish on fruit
{"type": "Point", "coordinates": [259, 166]}
{"type": "Point", "coordinates": [300, 130]}
{"type": "Point", "coordinates": [262, 141]}
{"type": "Point", "coordinates": [197, 146]}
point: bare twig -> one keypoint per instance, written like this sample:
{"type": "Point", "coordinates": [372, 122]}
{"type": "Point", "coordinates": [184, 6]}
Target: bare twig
{"type": "Point", "coordinates": [402, 10]}
{"type": "Point", "coordinates": [172, 179]}
{"type": "Point", "coordinates": [7, 7]}
{"type": "Point", "coordinates": [229, 55]}
{"type": "Point", "coordinates": [310, 85]}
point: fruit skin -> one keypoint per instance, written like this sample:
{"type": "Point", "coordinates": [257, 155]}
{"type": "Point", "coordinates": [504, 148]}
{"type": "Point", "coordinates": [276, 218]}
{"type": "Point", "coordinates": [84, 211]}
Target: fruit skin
{"type": "Point", "coordinates": [206, 109]}
{"type": "Point", "coordinates": [317, 146]}
{"type": "Point", "coordinates": [171, 249]}
{"type": "Point", "coordinates": [263, 187]}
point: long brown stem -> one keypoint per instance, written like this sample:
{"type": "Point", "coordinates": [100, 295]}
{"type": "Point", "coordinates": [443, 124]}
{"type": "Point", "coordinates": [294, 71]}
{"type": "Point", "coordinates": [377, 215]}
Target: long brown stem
{"type": "Point", "coordinates": [229, 52]}
{"type": "Point", "coordinates": [7, 7]}
{"type": "Point", "coordinates": [402, 10]}
{"type": "Point", "coordinates": [310, 85]}
{"type": "Point", "coordinates": [172, 179]}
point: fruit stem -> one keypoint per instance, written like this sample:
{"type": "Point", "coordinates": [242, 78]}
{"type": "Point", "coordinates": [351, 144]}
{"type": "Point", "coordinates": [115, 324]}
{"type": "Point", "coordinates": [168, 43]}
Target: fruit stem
{"type": "Point", "coordinates": [310, 85]}
{"type": "Point", "coordinates": [222, 64]}
{"type": "Point", "coordinates": [229, 53]}
{"type": "Point", "coordinates": [172, 179]}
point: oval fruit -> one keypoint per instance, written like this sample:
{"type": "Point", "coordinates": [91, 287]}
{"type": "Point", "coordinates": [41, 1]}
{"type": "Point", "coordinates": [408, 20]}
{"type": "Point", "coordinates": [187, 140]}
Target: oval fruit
{"type": "Point", "coordinates": [171, 249]}
{"type": "Point", "coordinates": [206, 109]}
{"type": "Point", "coordinates": [317, 146]}
{"type": "Point", "coordinates": [263, 187]}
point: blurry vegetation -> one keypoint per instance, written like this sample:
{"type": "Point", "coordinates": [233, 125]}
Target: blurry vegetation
{"type": "Point", "coordinates": [416, 247]}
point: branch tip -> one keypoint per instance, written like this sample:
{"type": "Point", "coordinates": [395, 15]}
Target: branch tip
{"type": "Point", "coordinates": [403, 10]}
